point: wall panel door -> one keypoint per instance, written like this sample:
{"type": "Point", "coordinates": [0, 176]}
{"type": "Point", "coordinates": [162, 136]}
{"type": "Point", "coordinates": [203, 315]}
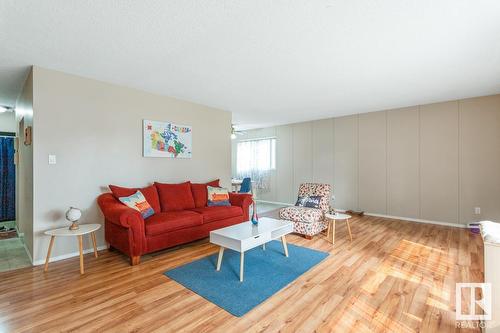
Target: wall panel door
{"type": "Point", "coordinates": [346, 162]}
{"type": "Point", "coordinates": [284, 165]}
{"type": "Point", "coordinates": [322, 148]}
{"type": "Point", "coordinates": [373, 162]}
{"type": "Point", "coordinates": [302, 154]}
{"type": "Point", "coordinates": [480, 158]}
{"type": "Point", "coordinates": [439, 162]}
{"type": "Point", "coordinates": [403, 162]}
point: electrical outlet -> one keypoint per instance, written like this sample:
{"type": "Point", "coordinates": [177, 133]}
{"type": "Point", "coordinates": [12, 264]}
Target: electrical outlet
{"type": "Point", "coordinates": [333, 197]}
{"type": "Point", "coordinates": [477, 210]}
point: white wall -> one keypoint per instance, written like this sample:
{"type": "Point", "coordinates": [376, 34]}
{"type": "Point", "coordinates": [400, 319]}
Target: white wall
{"type": "Point", "coordinates": [432, 162]}
{"type": "Point", "coordinates": [24, 169]}
{"type": "Point", "coordinates": [8, 122]}
{"type": "Point", "coordinates": [95, 130]}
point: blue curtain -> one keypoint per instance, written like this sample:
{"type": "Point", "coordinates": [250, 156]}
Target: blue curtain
{"type": "Point", "coordinates": [7, 180]}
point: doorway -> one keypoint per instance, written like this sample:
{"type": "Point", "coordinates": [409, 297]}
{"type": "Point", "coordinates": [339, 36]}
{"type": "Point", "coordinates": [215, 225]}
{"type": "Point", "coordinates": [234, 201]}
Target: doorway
{"type": "Point", "coordinates": [7, 178]}
{"type": "Point", "coordinates": [12, 251]}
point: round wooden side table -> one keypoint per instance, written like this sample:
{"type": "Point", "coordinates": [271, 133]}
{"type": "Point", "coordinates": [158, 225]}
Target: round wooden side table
{"type": "Point", "coordinates": [64, 232]}
{"type": "Point", "coordinates": [332, 218]}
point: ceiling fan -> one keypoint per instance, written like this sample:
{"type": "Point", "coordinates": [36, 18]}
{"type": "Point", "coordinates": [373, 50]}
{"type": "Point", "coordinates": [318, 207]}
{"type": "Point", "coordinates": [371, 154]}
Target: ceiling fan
{"type": "Point", "coordinates": [235, 133]}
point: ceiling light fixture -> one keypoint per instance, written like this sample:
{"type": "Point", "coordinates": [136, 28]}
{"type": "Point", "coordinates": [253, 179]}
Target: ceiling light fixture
{"type": "Point", "coordinates": [234, 132]}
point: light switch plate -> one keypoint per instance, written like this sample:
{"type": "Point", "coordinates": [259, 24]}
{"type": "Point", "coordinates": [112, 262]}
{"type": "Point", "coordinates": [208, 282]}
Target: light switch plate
{"type": "Point", "coordinates": [52, 159]}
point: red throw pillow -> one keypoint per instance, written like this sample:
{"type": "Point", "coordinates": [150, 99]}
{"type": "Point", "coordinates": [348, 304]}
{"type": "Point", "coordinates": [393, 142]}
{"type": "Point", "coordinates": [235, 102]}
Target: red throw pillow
{"type": "Point", "coordinates": [175, 196]}
{"type": "Point", "coordinates": [150, 193]}
{"type": "Point", "coordinates": [200, 193]}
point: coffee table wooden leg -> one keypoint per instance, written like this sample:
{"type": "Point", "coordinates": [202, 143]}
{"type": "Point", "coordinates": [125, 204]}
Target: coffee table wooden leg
{"type": "Point", "coordinates": [285, 247]}
{"type": "Point", "coordinates": [80, 245]}
{"type": "Point", "coordinates": [46, 268]}
{"type": "Point", "coordinates": [94, 242]}
{"type": "Point", "coordinates": [219, 259]}
{"type": "Point", "coordinates": [349, 228]}
{"type": "Point", "coordinates": [333, 231]}
{"type": "Point", "coordinates": [329, 228]}
{"type": "Point", "coordinates": [242, 263]}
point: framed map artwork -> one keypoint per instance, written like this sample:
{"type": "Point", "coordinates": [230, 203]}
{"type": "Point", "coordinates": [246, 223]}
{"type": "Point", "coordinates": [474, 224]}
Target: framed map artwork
{"type": "Point", "coordinates": [163, 139]}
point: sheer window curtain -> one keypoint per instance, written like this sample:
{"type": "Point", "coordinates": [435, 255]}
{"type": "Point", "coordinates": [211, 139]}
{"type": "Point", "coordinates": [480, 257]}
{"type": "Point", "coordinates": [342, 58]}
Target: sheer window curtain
{"type": "Point", "coordinates": [256, 159]}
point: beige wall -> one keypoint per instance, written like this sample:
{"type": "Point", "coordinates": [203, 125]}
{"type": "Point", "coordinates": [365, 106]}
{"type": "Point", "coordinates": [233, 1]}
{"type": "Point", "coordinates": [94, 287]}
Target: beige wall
{"type": "Point", "coordinates": [8, 122]}
{"type": "Point", "coordinates": [24, 169]}
{"type": "Point", "coordinates": [95, 130]}
{"type": "Point", "coordinates": [430, 162]}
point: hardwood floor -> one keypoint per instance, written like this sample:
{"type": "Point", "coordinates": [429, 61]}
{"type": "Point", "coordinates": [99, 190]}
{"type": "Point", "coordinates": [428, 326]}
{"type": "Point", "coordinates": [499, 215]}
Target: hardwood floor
{"type": "Point", "coordinates": [395, 276]}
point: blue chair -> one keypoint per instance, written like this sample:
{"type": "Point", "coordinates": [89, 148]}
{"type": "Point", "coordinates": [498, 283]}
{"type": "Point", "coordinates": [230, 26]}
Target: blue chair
{"type": "Point", "coordinates": [246, 185]}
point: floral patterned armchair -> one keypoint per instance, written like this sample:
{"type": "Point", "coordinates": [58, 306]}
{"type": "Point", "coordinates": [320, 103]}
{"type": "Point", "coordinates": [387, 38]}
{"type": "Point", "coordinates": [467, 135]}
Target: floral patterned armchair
{"type": "Point", "coordinates": [309, 221]}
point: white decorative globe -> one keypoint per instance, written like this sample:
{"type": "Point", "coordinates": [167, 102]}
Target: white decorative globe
{"type": "Point", "coordinates": [73, 214]}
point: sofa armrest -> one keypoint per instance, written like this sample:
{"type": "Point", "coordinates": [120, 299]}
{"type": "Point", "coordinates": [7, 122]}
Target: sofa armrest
{"type": "Point", "coordinates": [131, 242]}
{"type": "Point", "coordinates": [119, 214]}
{"type": "Point", "coordinates": [242, 200]}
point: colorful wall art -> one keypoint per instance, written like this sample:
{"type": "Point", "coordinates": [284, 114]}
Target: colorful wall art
{"type": "Point", "coordinates": [162, 139]}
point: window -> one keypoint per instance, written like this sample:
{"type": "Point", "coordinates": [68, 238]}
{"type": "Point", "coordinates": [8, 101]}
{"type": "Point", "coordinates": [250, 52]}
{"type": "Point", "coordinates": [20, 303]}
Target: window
{"type": "Point", "coordinates": [256, 156]}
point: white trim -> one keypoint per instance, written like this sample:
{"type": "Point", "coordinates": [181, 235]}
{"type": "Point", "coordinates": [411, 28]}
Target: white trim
{"type": "Point", "coordinates": [258, 139]}
{"type": "Point", "coordinates": [274, 202]}
{"type": "Point", "coordinates": [410, 219]}
{"type": "Point", "coordinates": [69, 255]}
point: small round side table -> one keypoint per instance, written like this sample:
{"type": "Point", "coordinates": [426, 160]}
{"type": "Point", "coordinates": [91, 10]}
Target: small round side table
{"type": "Point", "coordinates": [64, 232]}
{"type": "Point", "coordinates": [332, 218]}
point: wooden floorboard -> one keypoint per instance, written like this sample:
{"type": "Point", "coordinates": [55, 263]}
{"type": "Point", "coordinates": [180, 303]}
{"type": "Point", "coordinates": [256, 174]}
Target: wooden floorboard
{"type": "Point", "coordinates": [395, 276]}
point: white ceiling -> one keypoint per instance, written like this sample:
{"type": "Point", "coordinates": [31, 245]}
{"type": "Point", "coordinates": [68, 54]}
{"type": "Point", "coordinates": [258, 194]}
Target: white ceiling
{"type": "Point", "coordinates": [269, 62]}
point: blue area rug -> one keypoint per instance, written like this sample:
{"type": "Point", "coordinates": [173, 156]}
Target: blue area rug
{"type": "Point", "coordinates": [266, 272]}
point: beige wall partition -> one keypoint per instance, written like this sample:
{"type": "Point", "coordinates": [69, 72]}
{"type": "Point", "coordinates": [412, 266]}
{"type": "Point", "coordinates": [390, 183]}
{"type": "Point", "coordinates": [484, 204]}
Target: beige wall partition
{"type": "Point", "coordinates": [433, 162]}
{"type": "Point", "coordinates": [95, 131]}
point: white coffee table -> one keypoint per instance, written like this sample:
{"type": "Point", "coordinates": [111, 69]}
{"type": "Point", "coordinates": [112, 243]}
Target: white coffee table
{"type": "Point", "coordinates": [245, 236]}
{"type": "Point", "coordinates": [332, 218]}
{"type": "Point", "coordinates": [83, 229]}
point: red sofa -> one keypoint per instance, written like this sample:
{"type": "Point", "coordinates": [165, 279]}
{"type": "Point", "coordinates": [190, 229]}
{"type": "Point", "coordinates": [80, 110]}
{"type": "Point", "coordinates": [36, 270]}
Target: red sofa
{"type": "Point", "coordinates": [181, 216]}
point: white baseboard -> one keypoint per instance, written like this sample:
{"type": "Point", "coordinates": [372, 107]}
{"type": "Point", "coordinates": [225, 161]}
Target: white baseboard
{"type": "Point", "coordinates": [68, 255]}
{"type": "Point", "coordinates": [274, 202]}
{"type": "Point", "coordinates": [19, 234]}
{"type": "Point", "coordinates": [448, 224]}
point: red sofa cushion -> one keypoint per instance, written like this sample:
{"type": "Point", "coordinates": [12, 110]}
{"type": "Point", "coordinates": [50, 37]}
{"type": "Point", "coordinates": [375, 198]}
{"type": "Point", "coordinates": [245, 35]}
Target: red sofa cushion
{"type": "Point", "coordinates": [175, 196]}
{"type": "Point", "coordinates": [166, 222]}
{"type": "Point", "coordinates": [150, 193]}
{"type": "Point", "coordinates": [216, 213]}
{"type": "Point", "coordinates": [200, 194]}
